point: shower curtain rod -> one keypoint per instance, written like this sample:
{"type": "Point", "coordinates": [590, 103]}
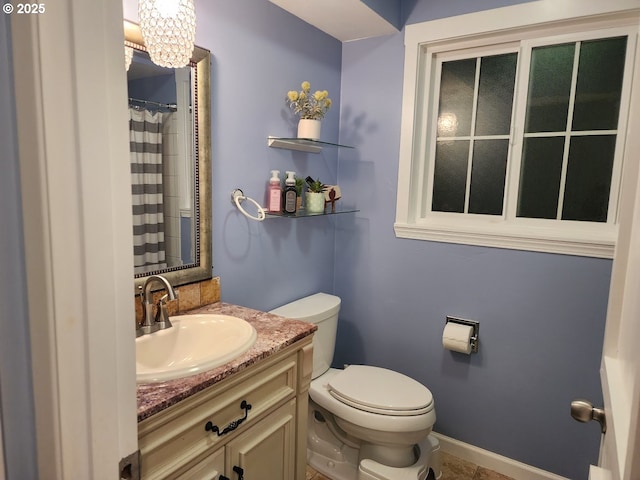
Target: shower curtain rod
{"type": "Point", "coordinates": [171, 106]}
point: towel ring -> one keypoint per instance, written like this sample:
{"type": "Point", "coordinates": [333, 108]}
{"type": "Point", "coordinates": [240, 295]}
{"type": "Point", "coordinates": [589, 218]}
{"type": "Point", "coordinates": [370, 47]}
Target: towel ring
{"type": "Point", "coordinates": [238, 196]}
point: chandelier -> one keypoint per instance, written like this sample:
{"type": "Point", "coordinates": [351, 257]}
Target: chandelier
{"type": "Point", "coordinates": [128, 56]}
{"type": "Point", "coordinates": [169, 29]}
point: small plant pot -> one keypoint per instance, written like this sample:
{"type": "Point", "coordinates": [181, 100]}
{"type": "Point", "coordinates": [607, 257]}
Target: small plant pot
{"type": "Point", "coordinates": [314, 202]}
{"type": "Point", "coordinates": [308, 128]}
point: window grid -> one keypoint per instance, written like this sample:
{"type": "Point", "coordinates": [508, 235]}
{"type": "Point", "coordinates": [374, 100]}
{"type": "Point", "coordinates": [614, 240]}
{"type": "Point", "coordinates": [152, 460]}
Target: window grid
{"type": "Point", "coordinates": [527, 48]}
{"type": "Point", "coordinates": [474, 114]}
{"type": "Point", "coordinates": [471, 138]}
{"type": "Point", "coordinates": [414, 217]}
{"type": "Point", "coordinates": [567, 135]}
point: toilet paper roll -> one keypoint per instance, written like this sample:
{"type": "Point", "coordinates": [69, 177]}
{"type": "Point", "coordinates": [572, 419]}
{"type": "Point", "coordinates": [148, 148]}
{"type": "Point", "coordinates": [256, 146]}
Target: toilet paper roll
{"type": "Point", "coordinates": [457, 337]}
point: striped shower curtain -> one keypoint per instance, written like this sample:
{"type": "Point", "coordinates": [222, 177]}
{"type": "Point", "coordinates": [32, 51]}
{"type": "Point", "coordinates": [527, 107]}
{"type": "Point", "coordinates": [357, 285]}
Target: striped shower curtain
{"type": "Point", "coordinates": [145, 145]}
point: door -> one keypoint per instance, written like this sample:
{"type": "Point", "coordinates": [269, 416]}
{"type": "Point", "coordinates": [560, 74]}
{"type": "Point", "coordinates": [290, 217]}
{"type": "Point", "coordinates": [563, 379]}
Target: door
{"type": "Point", "coordinates": [211, 468]}
{"type": "Point", "coordinates": [620, 367]}
{"type": "Point", "coordinates": [267, 449]}
{"type": "Point", "coordinates": [71, 123]}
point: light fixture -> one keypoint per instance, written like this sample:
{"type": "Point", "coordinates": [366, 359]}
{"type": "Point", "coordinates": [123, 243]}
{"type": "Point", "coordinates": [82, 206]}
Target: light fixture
{"type": "Point", "coordinates": [169, 30]}
{"type": "Point", "coordinates": [128, 56]}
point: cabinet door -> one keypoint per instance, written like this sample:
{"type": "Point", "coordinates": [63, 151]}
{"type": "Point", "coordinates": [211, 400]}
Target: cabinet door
{"type": "Point", "coordinates": [210, 468]}
{"type": "Point", "coordinates": [266, 450]}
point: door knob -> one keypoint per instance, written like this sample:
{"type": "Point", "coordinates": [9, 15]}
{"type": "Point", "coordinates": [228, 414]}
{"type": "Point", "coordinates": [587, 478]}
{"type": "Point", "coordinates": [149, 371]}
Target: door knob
{"type": "Point", "coordinates": [584, 411]}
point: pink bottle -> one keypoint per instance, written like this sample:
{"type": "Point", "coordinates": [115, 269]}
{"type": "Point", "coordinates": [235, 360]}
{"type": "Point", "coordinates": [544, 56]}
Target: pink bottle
{"type": "Point", "coordinates": [274, 197]}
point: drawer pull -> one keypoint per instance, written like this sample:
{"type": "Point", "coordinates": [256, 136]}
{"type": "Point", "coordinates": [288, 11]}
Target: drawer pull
{"type": "Point", "coordinates": [239, 471]}
{"type": "Point", "coordinates": [210, 427]}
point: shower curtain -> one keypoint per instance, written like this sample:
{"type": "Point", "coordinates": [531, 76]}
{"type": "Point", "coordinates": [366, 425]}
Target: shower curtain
{"type": "Point", "coordinates": [145, 145]}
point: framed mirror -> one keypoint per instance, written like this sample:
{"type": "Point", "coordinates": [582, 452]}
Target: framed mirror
{"type": "Point", "coordinates": [170, 144]}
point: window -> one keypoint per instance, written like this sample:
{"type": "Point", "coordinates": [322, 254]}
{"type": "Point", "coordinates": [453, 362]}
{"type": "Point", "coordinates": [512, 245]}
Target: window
{"type": "Point", "coordinates": [472, 133]}
{"type": "Point", "coordinates": [516, 139]}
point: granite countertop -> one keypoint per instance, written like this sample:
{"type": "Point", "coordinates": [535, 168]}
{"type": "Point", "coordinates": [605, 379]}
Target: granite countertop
{"type": "Point", "coordinates": [274, 334]}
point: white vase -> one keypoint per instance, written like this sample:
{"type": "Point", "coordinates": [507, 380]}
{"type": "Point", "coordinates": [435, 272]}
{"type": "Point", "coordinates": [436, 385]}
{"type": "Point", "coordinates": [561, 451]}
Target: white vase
{"type": "Point", "coordinates": [314, 202]}
{"type": "Point", "coordinates": [308, 128]}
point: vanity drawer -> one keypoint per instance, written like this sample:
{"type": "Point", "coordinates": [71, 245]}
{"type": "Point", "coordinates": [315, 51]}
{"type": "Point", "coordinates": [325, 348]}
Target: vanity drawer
{"type": "Point", "coordinates": [178, 435]}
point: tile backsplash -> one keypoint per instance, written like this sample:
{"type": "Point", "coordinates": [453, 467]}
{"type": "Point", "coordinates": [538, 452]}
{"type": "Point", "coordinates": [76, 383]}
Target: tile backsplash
{"type": "Point", "coordinates": [190, 296]}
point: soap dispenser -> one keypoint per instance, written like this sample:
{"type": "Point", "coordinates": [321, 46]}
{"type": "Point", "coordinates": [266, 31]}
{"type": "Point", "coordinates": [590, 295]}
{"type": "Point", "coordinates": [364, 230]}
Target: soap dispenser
{"type": "Point", "coordinates": [274, 203]}
{"type": "Point", "coordinates": [290, 194]}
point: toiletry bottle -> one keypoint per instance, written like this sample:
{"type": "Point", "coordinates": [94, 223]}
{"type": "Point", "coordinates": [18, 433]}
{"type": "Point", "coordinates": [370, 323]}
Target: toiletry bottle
{"type": "Point", "coordinates": [290, 194]}
{"type": "Point", "coordinates": [274, 203]}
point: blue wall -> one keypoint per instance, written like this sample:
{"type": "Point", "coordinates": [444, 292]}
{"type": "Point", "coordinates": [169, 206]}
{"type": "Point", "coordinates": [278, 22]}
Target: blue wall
{"type": "Point", "coordinates": [259, 53]}
{"type": "Point", "coordinates": [541, 315]}
{"type": "Point", "coordinates": [159, 87]}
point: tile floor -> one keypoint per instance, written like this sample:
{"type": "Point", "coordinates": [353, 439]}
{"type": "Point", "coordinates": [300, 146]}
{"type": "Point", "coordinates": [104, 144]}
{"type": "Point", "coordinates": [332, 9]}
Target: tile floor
{"type": "Point", "coordinates": [453, 468]}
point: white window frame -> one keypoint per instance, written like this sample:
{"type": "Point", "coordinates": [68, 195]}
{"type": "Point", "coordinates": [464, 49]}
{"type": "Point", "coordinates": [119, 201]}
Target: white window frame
{"type": "Point", "coordinates": [529, 22]}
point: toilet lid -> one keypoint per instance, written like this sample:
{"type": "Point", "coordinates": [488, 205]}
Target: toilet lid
{"type": "Point", "coordinates": [382, 391]}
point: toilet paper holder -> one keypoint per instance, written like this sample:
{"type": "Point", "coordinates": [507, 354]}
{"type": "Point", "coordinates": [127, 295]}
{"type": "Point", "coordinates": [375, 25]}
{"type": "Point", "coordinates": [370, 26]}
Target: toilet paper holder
{"type": "Point", "coordinates": [476, 329]}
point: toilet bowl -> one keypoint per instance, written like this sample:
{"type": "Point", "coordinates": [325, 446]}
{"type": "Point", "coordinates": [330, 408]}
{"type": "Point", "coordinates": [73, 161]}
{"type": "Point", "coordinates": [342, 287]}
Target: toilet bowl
{"type": "Point", "coordinates": [387, 411]}
{"type": "Point", "coordinates": [365, 422]}
{"type": "Point", "coordinates": [428, 463]}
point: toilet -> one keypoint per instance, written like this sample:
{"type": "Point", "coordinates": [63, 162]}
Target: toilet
{"type": "Point", "coordinates": [365, 422]}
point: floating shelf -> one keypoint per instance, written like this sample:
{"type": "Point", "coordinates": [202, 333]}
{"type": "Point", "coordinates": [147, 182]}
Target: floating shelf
{"type": "Point", "coordinates": [302, 144]}
{"type": "Point", "coordinates": [302, 213]}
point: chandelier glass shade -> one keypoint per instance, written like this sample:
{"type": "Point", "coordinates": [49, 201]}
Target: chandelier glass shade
{"type": "Point", "coordinates": [169, 29]}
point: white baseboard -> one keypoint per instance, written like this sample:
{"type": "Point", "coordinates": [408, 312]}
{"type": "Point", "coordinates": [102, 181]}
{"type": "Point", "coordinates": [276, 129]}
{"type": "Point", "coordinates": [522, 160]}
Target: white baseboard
{"type": "Point", "coordinates": [493, 461]}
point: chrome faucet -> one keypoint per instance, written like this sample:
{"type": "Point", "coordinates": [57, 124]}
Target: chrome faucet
{"type": "Point", "coordinates": [151, 323]}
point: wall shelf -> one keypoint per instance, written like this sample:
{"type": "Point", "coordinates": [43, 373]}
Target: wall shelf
{"type": "Point", "coordinates": [302, 213]}
{"type": "Point", "coordinates": [301, 144]}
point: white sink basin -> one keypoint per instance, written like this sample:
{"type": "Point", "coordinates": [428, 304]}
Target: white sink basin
{"type": "Point", "coordinates": [195, 343]}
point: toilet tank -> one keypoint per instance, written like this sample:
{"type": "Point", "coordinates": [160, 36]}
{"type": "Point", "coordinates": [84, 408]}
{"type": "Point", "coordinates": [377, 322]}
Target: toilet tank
{"type": "Point", "coordinates": [321, 309]}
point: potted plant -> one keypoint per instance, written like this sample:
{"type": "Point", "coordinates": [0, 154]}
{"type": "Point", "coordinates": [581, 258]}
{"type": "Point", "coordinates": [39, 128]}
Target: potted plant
{"type": "Point", "coordinates": [311, 107]}
{"type": "Point", "coordinates": [315, 196]}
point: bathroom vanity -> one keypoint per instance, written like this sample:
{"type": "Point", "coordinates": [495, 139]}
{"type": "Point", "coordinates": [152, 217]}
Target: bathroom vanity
{"type": "Point", "coordinates": [247, 418]}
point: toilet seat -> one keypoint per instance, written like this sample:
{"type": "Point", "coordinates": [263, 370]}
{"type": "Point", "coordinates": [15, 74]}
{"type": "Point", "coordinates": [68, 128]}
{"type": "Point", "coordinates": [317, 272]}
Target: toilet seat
{"type": "Point", "coordinates": [411, 428]}
{"type": "Point", "coordinates": [380, 391]}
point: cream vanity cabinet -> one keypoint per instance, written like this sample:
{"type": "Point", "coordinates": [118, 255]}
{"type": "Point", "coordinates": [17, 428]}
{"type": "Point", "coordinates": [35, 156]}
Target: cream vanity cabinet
{"type": "Point", "coordinates": [250, 426]}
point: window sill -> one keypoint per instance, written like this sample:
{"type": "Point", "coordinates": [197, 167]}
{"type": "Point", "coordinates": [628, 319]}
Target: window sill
{"type": "Point", "coordinates": [575, 241]}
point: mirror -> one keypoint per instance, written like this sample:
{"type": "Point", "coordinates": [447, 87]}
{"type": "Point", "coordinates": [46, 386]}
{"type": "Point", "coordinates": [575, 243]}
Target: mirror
{"type": "Point", "coordinates": [170, 141]}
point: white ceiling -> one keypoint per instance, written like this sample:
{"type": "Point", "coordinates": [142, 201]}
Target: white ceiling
{"type": "Point", "coordinates": [342, 19]}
